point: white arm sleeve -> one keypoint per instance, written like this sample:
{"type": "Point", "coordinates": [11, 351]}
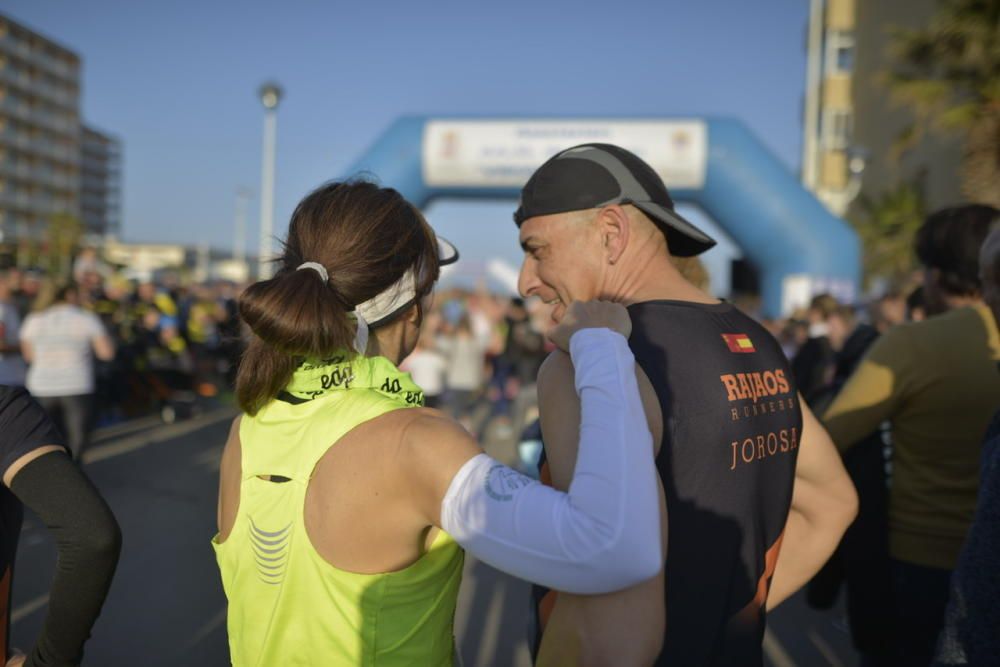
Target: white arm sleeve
{"type": "Point", "coordinates": [601, 536]}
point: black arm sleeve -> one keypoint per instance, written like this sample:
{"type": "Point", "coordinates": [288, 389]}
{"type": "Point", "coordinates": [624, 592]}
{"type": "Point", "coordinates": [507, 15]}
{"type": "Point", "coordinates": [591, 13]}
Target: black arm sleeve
{"type": "Point", "coordinates": [88, 542]}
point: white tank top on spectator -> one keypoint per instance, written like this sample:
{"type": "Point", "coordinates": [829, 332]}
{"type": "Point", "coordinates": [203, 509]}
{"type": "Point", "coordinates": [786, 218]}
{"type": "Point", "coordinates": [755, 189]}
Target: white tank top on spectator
{"type": "Point", "coordinates": [11, 364]}
{"type": "Point", "coordinates": [61, 340]}
{"type": "Point", "coordinates": [465, 364]}
{"type": "Point", "coordinates": [427, 368]}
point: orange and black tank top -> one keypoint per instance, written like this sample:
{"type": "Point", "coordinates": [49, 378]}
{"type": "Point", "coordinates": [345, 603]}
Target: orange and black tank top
{"type": "Point", "coordinates": [731, 430]}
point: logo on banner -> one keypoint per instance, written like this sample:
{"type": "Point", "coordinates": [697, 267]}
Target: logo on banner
{"type": "Point", "coordinates": [681, 140]}
{"type": "Point", "coordinates": [449, 145]}
{"type": "Point", "coordinates": [739, 343]}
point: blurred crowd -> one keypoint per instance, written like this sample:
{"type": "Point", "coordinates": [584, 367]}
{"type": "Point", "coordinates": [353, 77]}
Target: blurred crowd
{"type": "Point", "coordinates": [103, 347]}
{"type": "Point", "coordinates": [478, 357]}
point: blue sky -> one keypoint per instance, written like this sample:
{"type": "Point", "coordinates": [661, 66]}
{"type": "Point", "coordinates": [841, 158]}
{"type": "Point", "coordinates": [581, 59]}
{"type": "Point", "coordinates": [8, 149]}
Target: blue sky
{"type": "Point", "coordinates": [176, 81]}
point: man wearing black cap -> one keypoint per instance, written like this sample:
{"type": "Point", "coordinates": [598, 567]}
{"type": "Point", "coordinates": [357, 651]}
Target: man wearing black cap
{"type": "Point", "coordinates": [734, 438]}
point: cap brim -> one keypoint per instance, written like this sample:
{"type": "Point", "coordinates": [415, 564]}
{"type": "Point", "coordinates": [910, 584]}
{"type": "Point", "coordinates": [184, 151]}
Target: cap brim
{"type": "Point", "coordinates": [447, 252]}
{"type": "Point", "coordinates": [684, 239]}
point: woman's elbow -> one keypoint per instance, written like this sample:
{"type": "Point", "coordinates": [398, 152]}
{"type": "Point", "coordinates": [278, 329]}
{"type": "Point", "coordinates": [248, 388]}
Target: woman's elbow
{"type": "Point", "coordinates": [649, 561]}
{"type": "Point", "coordinates": [626, 565]}
{"type": "Point", "coordinates": [105, 540]}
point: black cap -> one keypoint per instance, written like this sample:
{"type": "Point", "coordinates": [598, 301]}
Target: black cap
{"type": "Point", "coordinates": [596, 175]}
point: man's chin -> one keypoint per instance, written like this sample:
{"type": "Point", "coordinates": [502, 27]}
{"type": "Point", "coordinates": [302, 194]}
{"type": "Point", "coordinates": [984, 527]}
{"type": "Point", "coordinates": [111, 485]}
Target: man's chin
{"type": "Point", "coordinates": [558, 311]}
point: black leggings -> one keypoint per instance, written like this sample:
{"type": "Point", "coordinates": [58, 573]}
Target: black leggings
{"type": "Point", "coordinates": [72, 415]}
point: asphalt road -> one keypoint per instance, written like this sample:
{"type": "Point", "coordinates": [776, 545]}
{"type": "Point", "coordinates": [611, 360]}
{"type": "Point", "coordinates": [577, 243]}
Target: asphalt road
{"type": "Point", "coordinates": [166, 605]}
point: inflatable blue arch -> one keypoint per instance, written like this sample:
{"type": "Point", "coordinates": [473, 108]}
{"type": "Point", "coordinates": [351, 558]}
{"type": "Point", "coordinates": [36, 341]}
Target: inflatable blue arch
{"type": "Point", "coordinates": [797, 247]}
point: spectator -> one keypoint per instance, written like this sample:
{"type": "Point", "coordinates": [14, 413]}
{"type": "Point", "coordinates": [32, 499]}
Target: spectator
{"type": "Point", "coordinates": [59, 341]}
{"type": "Point", "coordinates": [936, 382]}
{"type": "Point", "coordinates": [972, 620]}
{"type": "Point", "coordinates": [88, 264]}
{"type": "Point", "coordinates": [888, 311]}
{"type": "Point", "coordinates": [861, 562]}
{"type": "Point", "coordinates": [26, 292]}
{"type": "Point", "coordinates": [427, 367]}
{"type": "Point", "coordinates": [849, 340]}
{"type": "Point", "coordinates": [813, 364]}
{"type": "Point", "coordinates": [465, 357]}
{"type": "Point", "coordinates": [526, 350]}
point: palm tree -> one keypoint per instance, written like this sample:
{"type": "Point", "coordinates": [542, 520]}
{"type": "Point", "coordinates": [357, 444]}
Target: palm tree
{"type": "Point", "coordinates": [887, 225]}
{"type": "Point", "coordinates": [949, 73]}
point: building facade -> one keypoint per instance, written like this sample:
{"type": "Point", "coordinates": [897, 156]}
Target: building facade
{"type": "Point", "coordinates": [40, 133]}
{"type": "Point", "coordinates": [851, 122]}
{"type": "Point", "coordinates": [827, 146]}
{"type": "Point", "coordinates": [100, 184]}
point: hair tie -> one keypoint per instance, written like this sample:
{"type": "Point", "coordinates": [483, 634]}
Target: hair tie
{"type": "Point", "coordinates": [318, 268]}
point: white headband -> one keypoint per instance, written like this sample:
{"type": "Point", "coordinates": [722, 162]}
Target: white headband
{"type": "Point", "coordinates": [387, 303]}
{"type": "Point", "coordinates": [390, 300]}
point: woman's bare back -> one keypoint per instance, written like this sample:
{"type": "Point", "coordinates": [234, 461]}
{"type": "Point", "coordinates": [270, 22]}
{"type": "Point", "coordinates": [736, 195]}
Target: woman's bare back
{"type": "Point", "coordinates": [359, 509]}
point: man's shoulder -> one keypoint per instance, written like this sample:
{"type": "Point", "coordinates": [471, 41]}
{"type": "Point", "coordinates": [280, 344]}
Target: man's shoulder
{"type": "Point", "coordinates": [555, 372]}
{"type": "Point", "coordinates": [944, 329]}
{"type": "Point", "coordinates": [716, 330]}
{"type": "Point", "coordinates": [946, 323]}
{"type": "Point", "coordinates": [556, 362]}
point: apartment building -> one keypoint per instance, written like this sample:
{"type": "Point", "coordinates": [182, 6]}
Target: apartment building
{"type": "Point", "coordinates": [40, 133]}
{"type": "Point", "coordinates": [851, 121]}
{"type": "Point", "coordinates": [100, 184]}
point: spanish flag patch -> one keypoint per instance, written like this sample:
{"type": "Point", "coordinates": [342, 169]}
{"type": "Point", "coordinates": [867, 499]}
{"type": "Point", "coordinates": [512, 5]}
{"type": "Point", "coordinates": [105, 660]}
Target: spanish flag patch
{"type": "Point", "coordinates": [739, 343]}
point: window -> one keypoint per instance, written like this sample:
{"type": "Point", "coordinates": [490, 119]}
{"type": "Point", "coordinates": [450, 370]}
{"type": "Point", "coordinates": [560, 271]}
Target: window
{"type": "Point", "coordinates": [839, 52]}
{"type": "Point", "coordinates": [845, 58]}
{"type": "Point", "coordinates": [837, 125]}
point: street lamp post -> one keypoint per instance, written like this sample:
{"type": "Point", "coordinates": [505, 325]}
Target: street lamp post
{"type": "Point", "coordinates": [270, 94]}
{"type": "Point", "coordinates": [243, 196]}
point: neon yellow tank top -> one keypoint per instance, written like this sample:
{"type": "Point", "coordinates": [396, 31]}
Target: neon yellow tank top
{"type": "Point", "coordinates": [287, 605]}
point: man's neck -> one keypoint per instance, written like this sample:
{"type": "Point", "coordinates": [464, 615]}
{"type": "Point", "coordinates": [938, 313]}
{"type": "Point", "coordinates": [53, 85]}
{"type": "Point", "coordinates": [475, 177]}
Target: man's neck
{"type": "Point", "coordinates": [653, 277]}
{"type": "Point", "coordinates": [955, 302]}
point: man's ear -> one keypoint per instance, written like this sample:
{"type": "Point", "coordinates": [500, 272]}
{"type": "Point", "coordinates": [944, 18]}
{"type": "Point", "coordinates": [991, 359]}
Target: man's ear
{"type": "Point", "coordinates": [413, 314]}
{"type": "Point", "coordinates": [615, 229]}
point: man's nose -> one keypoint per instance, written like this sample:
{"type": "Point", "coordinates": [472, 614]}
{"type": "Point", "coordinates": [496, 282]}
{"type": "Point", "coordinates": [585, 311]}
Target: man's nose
{"type": "Point", "coordinates": [527, 279]}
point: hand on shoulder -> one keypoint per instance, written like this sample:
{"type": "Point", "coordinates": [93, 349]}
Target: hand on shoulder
{"type": "Point", "coordinates": [590, 315]}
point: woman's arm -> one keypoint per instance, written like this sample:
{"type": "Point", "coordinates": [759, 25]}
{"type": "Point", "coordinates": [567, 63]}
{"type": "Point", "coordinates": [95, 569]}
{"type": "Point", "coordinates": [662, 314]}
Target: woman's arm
{"type": "Point", "coordinates": [104, 349]}
{"type": "Point", "coordinates": [596, 537]}
{"type": "Point", "coordinates": [88, 542]}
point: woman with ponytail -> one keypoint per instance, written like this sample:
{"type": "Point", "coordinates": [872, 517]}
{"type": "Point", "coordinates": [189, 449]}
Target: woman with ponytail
{"type": "Point", "coordinates": [345, 506]}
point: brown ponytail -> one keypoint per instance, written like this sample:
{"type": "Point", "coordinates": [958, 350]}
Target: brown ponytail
{"type": "Point", "coordinates": [366, 237]}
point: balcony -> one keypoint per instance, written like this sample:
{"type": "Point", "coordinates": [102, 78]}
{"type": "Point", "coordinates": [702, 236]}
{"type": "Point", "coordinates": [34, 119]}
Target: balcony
{"type": "Point", "coordinates": [40, 148]}
{"type": "Point", "coordinates": [54, 123]}
{"type": "Point", "coordinates": [21, 51]}
{"type": "Point", "coordinates": [15, 46]}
